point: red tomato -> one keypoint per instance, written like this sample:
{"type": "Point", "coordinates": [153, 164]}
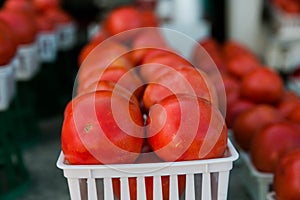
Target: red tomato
{"type": "Point", "coordinates": [120, 75]}
{"type": "Point", "coordinates": [235, 109]}
{"type": "Point", "coordinates": [287, 177]}
{"type": "Point", "coordinates": [22, 24]}
{"type": "Point", "coordinates": [123, 19]}
{"type": "Point", "coordinates": [288, 103]}
{"type": "Point", "coordinates": [20, 5]}
{"type": "Point", "coordinates": [294, 115]}
{"type": "Point", "coordinates": [94, 132]}
{"type": "Point", "coordinates": [155, 66]}
{"type": "Point", "coordinates": [232, 49]}
{"type": "Point", "coordinates": [248, 123]}
{"type": "Point", "coordinates": [7, 49]}
{"type": "Point", "coordinates": [42, 5]}
{"type": "Point", "coordinates": [271, 143]}
{"type": "Point", "coordinates": [44, 23]}
{"type": "Point", "coordinates": [58, 16]}
{"type": "Point", "coordinates": [149, 18]}
{"type": "Point", "coordinates": [262, 85]}
{"type": "Point", "coordinates": [241, 65]}
{"type": "Point", "coordinates": [145, 41]}
{"type": "Point", "coordinates": [185, 80]}
{"type": "Point", "coordinates": [184, 127]}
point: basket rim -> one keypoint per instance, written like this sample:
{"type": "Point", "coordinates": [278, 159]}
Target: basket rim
{"type": "Point", "coordinates": [233, 155]}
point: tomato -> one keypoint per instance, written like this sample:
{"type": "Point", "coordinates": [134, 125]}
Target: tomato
{"type": "Point", "coordinates": [149, 18]}
{"type": "Point", "coordinates": [8, 43]}
{"type": "Point", "coordinates": [233, 49]}
{"type": "Point", "coordinates": [42, 5]}
{"type": "Point", "coordinates": [7, 49]}
{"type": "Point", "coordinates": [147, 40]}
{"type": "Point", "coordinates": [184, 80]}
{"type": "Point", "coordinates": [123, 19]}
{"type": "Point", "coordinates": [248, 123]}
{"type": "Point", "coordinates": [120, 75]}
{"type": "Point", "coordinates": [102, 128]}
{"type": "Point", "coordinates": [22, 24]}
{"type": "Point", "coordinates": [241, 65]}
{"type": "Point", "coordinates": [262, 85]}
{"type": "Point", "coordinates": [183, 127]}
{"type": "Point", "coordinates": [155, 66]}
{"type": "Point", "coordinates": [43, 23]}
{"type": "Point", "coordinates": [20, 5]}
{"type": "Point", "coordinates": [287, 177]}
{"type": "Point", "coordinates": [271, 143]}
{"type": "Point", "coordinates": [235, 109]}
{"type": "Point", "coordinates": [213, 50]}
{"type": "Point", "coordinates": [58, 16]}
{"type": "Point", "coordinates": [288, 103]}
{"type": "Point", "coordinates": [294, 115]}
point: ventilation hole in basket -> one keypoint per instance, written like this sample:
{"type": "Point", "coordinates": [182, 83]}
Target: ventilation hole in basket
{"type": "Point", "coordinates": [214, 177]}
{"type": "Point", "coordinates": [100, 188]}
{"type": "Point", "coordinates": [83, 188]}
{"type": "Point", "coordinates": [271, 187]}
{"type": "Point", "coordinates": [198, 186]}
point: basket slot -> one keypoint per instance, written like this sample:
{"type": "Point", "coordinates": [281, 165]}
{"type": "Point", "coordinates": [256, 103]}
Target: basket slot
{"type": "Point", "coordinates": [92, 189]}
{"type": "Point", "coordinates": [173, 187]}
{"type": "Point", "coordinates": [206, 186]}
{"type": "Point", "coordinates": [74, 188]}
{"type": "Point", "coordinates": [108, 189]}
{"type": "Point", "coordinates": [125, 194]}
{"type": "Point", "coordinates": [157, 188]}
{"type": "Point", "coordinates": [141, 189]}
{"type": "Point", "coordinates": [223, 181]}
{"type": "Point", "coordinates": [190, 187]}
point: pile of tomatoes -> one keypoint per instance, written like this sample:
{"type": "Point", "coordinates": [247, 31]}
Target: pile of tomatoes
{"type": "Point", "coordinates": [140, 105]}
{"type": "Point", "coordinates": [263, 115]}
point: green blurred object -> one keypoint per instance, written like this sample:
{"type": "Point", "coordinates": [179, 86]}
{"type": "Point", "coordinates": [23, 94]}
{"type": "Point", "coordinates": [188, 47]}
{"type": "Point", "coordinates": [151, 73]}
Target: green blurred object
{"type": "Point", "coordinates": [14, 177]}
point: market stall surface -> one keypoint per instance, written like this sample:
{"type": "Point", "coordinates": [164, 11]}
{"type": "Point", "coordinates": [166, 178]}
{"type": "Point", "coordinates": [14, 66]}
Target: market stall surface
{"type": "Point", "coordinates": [47, 181]}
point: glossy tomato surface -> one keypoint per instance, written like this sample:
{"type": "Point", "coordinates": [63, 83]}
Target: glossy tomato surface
{"type": "Point", "coordinates": [102, 128]}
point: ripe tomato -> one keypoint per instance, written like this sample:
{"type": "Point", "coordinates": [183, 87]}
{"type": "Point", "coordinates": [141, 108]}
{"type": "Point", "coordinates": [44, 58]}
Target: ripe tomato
{"type": "Point", "coordinates": [241, 65]}
{"type": "Point", "coordinates": [248, 123]}
{"type": "Point", "coordinates": [271, 143]}
{"type": "Point", "coordinates": [294, 115]}
{"type": "Point", "coordinates": [184, 80]}
{"type": "Point", "coordinates": [58, 16]}
{"type": "Point", "coordinates": [262, 85]}
{"type": "Point", "coordinates": [44, 23]}
{"type": "Point", "coordinates": [21, 23]}
{"type": "Point", "coordinates": [42, 5]}
{"type": "Point", "coordinates": [145, 41]}
{"type": "Point", "coordinates": [288, 103]}
{"type": "Point", "coordinates": [235, 109]}
{"type": "Point", "coordinates": [94, 132]}
{"type": "Point", "coordinates": [287, 177]}
{"type": "Point", "coordinates": [123, 19]}
{"type": "Point", "coordinates": [120, 75]}
{"type": "Point", "coordinates": [184, 127]}
{"type": "Point", "coordinates": [7, 49]}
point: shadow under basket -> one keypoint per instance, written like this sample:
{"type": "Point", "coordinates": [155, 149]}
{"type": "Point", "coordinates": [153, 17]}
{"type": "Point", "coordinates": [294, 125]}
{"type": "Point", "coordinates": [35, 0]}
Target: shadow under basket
{"type": "Point", "coordinates": [204, 179]}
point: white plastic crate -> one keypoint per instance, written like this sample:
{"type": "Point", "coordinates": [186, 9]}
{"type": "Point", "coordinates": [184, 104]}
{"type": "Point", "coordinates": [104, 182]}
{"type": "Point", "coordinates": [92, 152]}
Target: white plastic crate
{"type": "Point", "coordinates": [287, 26]}
{"type": "Point", "coordinates": [282, 56]}
{"type": "Point", "coordinates": [66, 36]}
{"type": "Point", "coordinates": [257, 184]}
{"type": "Point", "coordinates": [294, 84]}
{"type": "Point", "coordinates": [7, 86]}
{"type": "Point", "coordinates": [271, 196]}
{"type": "Point", "coordinates": [47, 46]}
{"type": "Point", "coordinates": [205, 179]}
{"type": "Point", "coordinates": [28, 61]}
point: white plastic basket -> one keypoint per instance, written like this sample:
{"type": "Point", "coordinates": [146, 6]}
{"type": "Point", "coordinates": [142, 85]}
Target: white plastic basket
{"type": "Point", "coordinates": [257, 184]}
{"type": "Point", "coordinates": [66, 36]}
{"type": "Point", "coordinates": [28, 61]}
{"type": "Point", "coordinates": [294, 84]}
{"type": "Point", "coordinates": [7, 86]}
{"type": "Point", "coordinates": [287, 25]}
{"type": "Point", "coordinates": [47, 46]}
{"type": "Point", "coordinates": [271, 196]}
{"type": "Point", "coordinates": [282, 56]}
{"type": "Point", "coordinates": [205, 179]}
